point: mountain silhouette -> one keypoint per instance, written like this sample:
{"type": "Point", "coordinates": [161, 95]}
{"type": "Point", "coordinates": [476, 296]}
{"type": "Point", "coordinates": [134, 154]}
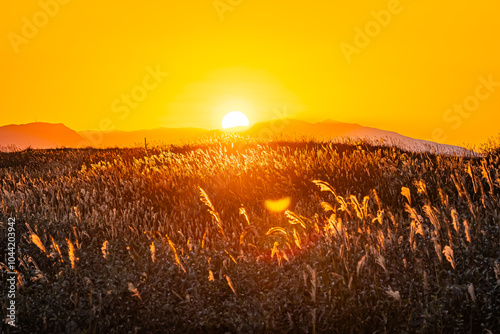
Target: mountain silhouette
{"type": "Point", "coordinates": [338, 131]}
{"type": "Point", "coordinates": [46, 135]}
{"type": "Point", "coordinates": [38, 135]}
{"type": "Point", "coordinates": [136, 138]}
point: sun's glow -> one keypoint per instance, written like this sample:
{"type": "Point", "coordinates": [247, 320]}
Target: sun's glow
{"type": "Point", "coordinates": [234, 119]}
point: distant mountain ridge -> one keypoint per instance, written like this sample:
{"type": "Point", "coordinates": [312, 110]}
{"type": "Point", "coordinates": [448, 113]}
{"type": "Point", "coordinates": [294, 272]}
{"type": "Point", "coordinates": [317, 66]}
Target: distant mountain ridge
{"type": "Point", "coordinates": [47, 135]}
{"type": "Point", "coordinates": [136, 138]}
{"type": "Point", "coordinates": [338, 131]}
{"type": "Point", "coordinates": [38, 135]}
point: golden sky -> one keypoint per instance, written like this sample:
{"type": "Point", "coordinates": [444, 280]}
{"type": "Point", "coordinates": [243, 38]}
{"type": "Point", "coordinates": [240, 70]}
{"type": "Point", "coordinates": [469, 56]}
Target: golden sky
{"type": "Point", "coordinates": [426, 69]}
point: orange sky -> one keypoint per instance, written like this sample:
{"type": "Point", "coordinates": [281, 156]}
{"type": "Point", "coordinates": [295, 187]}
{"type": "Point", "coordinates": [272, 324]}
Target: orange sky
{"type": "Point", "coordinates": [100, 64]}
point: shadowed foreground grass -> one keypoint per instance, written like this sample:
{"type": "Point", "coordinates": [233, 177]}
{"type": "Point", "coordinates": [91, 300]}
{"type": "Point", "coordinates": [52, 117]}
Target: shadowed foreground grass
{"type": "Point", "coordinates": [179, 239]}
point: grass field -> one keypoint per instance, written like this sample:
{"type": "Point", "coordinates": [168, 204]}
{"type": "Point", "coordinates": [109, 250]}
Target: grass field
{"type": "Point", "coordinates": [237, 236]}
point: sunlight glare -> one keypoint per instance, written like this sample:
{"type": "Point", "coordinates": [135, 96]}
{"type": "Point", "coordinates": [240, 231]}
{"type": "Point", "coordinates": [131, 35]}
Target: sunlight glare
{"type": "Point", "coordinates": [278, 205]}
{"type": "Point", "coordinates": [234, 119]}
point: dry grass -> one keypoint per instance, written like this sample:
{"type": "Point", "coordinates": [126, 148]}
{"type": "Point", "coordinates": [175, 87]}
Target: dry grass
{"type": "Point", "coordinates": [240, 236]}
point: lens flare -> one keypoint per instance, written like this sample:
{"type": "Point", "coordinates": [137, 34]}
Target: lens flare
{"type": "Point", "coordinates": [279, 205]}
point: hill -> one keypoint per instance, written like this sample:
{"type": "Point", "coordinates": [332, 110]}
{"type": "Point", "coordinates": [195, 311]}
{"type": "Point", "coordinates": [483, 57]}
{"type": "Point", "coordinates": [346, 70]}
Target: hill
{"type": "Point", "coordinates": [45, 135]}
{"type": "Point", "coordinates": [339, 131]}
{"type": "Point", "coordinates": [38, 135]}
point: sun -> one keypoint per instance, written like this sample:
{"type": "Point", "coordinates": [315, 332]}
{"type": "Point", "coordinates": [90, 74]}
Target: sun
{"type": "Point", "coordinates": [234, 119]}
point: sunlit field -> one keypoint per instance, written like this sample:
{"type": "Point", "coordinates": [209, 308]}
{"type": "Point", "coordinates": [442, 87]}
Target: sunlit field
{"type": "Point", "coordinates": [236, 235]}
